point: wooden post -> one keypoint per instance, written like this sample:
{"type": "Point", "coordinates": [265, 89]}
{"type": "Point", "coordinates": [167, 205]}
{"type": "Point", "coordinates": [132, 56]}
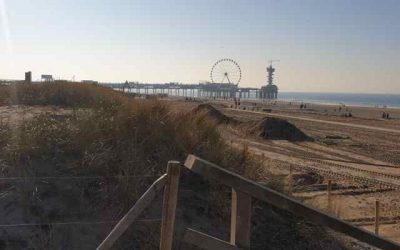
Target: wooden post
{"type": "Point", "coordinates": [329, 195]}
{"type": "Point", "coordinates": [290, 180]}
{"type": "Point", "coordinates": [169, 205]}
{"type": "Point", "coordinates": [240, 219]}
{"type": "Point", "coordinates": [377, 217]}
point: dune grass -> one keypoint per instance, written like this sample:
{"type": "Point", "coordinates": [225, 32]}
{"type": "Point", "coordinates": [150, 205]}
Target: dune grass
{"type": "Point", "coordinates": [64, 94]}
{"type": "Point", "coordinates": [107, 134]}
{"type": "Point", "coordinates": [114, 129]}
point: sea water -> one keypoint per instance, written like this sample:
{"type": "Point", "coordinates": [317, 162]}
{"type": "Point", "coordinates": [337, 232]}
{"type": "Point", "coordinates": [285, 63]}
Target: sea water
{"type": "Point", "coordinates": [367, 100]}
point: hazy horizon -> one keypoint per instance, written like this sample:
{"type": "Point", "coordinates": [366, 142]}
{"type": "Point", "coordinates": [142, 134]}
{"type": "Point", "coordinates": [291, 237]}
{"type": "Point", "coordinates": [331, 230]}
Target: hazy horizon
{"type": "Point", "coordinates": [324, 46]}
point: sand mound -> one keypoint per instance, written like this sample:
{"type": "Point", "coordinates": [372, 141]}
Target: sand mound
{"type": "Point", "coordinates": [212, 112]}
{"type": "Point", "coordinates": [279, 129]}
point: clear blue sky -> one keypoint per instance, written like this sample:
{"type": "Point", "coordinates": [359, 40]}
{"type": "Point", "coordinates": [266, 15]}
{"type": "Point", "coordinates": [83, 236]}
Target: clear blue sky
{"type": "Point", "coordinates": [323, 45]}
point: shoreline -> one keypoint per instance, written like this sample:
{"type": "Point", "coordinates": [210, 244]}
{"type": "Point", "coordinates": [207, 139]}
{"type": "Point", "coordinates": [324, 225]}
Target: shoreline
{"type": "Point", "coordinates": [324, 104]}
{"type": "Point", "coordinates": [356, 105]}
{"type": "Point", "coordinates": [329, 111]}
{"type": "Point", "coordinates": [349, 99]}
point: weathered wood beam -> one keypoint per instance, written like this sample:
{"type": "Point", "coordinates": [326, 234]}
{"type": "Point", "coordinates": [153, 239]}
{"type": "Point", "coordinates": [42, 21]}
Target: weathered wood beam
{"type": "Point", "coordinates": [169, 205]}
{"type": "Point", "coordinates": [141, 204]}
{"type": "Point", "coordinates": [240, 219]}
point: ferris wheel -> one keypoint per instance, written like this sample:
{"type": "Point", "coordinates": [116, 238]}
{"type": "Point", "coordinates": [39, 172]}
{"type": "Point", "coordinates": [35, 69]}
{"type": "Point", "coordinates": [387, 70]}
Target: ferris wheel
{"type": "Point", "coordinates": [226, 71]}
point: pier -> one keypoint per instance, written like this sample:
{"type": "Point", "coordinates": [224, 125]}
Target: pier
{"type": "Point", "coordinates": [201, 90]}
{"type": "Point", "coordinates": [215, 89]}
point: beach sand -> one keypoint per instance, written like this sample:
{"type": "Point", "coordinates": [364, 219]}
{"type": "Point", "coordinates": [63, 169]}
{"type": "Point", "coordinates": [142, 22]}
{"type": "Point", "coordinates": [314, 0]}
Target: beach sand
{"type": "Point", "coordinates": [365, 146]}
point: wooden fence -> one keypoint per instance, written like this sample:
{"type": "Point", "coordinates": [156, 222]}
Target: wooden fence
{"type": "Point", "coordinates": [243, 191]}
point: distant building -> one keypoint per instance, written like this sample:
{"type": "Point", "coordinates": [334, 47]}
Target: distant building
{"type": "Point", "coordinates": [28, 77]}
{"type": "Point", "coordinates": [47, 78]}
{"type": "Point", "coordinates": [269, 91]}
{"type": "Point", "coordinates": [90, 81]}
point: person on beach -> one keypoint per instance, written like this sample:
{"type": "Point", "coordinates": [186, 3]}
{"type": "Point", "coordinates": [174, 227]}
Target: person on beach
{"type": "Point", "coordinates": [383, 115]}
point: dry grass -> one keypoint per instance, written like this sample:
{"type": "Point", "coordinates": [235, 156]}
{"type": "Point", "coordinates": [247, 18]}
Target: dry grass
{"type": "Point", "coordinates": [110, 133]}
{"type": "Point", "coordinates": [107, 134]}
{"type": "Point", "coordinates": [66, 94]}
{"type": "Point", "coordinates": [4, 134]}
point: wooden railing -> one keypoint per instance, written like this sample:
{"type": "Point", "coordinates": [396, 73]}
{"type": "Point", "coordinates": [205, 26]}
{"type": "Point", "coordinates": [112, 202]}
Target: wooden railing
{"type": "Point", "coordinates": [133, 213]}
{"type": "Point", "coordinates": [243, 190]}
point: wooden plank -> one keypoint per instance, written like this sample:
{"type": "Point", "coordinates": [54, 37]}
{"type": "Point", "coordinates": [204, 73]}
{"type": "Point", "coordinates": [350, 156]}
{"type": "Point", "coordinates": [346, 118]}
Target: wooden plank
{"type": "Point", "coordinates": [239, 183]}
{"type": "Point", "coordinates": [240, 219]}
{"type": "Point", "coordinates": [329, 196]}
{"type": "Point", "coordinates": [377, 217]}
{"type": "Point", "coordinates": [205, 241]}
{"type": "Point", "coordinates": [169, 205]}
{"type": "Point", "coordinates": [290, 191]}
{"type": "Point", "coordinates": [141, 204]}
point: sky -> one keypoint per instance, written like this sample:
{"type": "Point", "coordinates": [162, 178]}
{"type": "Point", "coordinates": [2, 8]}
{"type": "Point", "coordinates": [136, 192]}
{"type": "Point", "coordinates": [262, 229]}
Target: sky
{"type": "Point", "coordinates": [323, 46]}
